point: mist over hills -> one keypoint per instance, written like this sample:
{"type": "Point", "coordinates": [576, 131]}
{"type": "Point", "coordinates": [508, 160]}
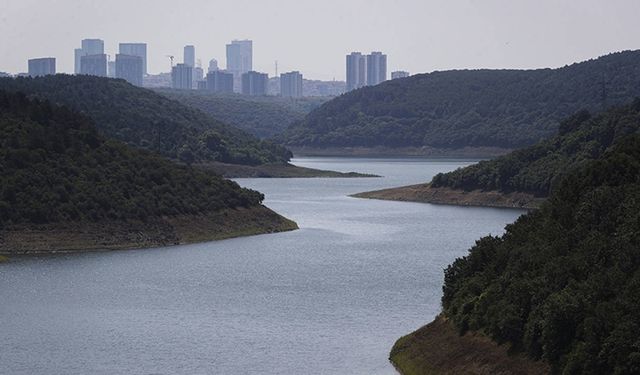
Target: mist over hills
{"type": "Point", "coordinates": [262, 116]}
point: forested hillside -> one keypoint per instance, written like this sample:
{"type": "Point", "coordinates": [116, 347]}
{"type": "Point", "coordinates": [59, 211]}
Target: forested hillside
{"type": "Point", "coordinates": [469, 108]}
{"type": "Point", "coordinates": [147, 120]}
{"type": "Point", "coordinates": [563, 283]}
{"type": "Point", "coordinates": [263, 117]}
{"type": "Point", "coordinates": [56, 167]}
{"type": "Point", "coordinates": [581, 138]}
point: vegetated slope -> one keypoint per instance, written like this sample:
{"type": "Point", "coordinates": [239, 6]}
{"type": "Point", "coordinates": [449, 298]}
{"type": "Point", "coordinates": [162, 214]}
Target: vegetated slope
{"type": "Point", "coordinates": [57, 169]}
{"type": "Point", "coordinates": [147, 120]}
{"type": "Point", "coordinates": [581, 138]}
{"type": "Point", "coordinates": [469, 108]}
{"type": "Point", "coordinates": [263, 117]}
{"type": "Point", "coordinates": [563, 282]}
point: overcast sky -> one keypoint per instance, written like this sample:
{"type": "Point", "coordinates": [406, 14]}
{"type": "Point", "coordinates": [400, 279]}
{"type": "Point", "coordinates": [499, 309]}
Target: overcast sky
{"type": "Point", "coordinates": [314, 36]}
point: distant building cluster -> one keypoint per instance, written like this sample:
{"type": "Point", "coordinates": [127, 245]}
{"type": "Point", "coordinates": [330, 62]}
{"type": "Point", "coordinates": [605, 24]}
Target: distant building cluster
{"type": "Point", "coordinates": [42, 66]}
{"type": "Point", "coordinates": [130, 64]}
{"type": "Point", "coordinates": [182, 77]}
{"type": "Point", "coordinates": [219, 81]}
{"type": "Point", "coordinates": [291, 85]}
{"type": "Point", "coordinates": [365, 70]}
{"type": "Point", "coordinates": [399, 74]}
{"type": "Point", "coordinates": [90, 50]}
{"type": "Point", "coordinates": [254, 83]}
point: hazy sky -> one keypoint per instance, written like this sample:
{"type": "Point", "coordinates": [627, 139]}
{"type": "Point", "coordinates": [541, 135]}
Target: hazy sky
{"type": "Point", "coordinates": [314, 36]}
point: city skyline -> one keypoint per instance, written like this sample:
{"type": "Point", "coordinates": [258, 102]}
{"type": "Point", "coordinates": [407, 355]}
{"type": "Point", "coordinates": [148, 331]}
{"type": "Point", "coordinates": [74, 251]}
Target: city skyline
{"type": "Point", "coordinates": [488, 34]}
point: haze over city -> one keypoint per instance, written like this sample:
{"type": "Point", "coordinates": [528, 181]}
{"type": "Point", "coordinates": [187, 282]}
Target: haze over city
{"type": "Point", "coordinates": [328, 187]}
{"type": "Point", "coordinates": [314, 37]}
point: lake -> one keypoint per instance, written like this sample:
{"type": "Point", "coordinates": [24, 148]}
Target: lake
{"type": "Point", "coordinates": [330, 298]}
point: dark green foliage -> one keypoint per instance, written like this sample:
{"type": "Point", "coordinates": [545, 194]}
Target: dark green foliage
{"type": "Point", "coordinates": [54, 166]}
{"type": "Point", "coordinates": [476, 108]}
{"type": "Point", "coordinates": [262, 116]}
{"type": "Point", "coordinates": [563, 283]}
{"type": "Point", "coordinates": [534, 169]}
{"type": "Point", "coordinates": [147, 120]}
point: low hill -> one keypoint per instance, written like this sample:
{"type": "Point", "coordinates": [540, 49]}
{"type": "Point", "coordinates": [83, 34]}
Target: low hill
{"type": "Point", "coordinates": [147, 120]}
{"type": "Point", "coordinates": [561, 284]}
{"type": "Point", "coordinates": [66, 187]}
{"type": "Point", "coordinates": [464, 109]}
{"type": "Point", "coordinates": [581, 138]}
{"type": "Point", "coordinates": [262, 116]}
{"type": "Point", "coordinates": [523, 178]}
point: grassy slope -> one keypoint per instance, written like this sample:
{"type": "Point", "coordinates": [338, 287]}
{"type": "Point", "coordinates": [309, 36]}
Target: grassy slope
{"type": "Point", "coordinates": [438, 349]}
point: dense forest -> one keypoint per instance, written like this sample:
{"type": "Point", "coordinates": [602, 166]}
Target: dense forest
{"type": "Point", "coordinates": [581, 137]}
{"type": "Point", "coordinates": [56, 167]}
{"type": "Point", "coordinates": [147, 120]}
{"type": "Point", "coordinates": [563, 282]}
{"type": "Point", "coordinates": [262, 116]}
{"type": "Point", "coordinates": [469, 108]}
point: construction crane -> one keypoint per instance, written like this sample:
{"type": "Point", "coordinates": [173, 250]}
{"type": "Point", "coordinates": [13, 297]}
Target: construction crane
{"type": "Point", "coordinates": [170, 58]}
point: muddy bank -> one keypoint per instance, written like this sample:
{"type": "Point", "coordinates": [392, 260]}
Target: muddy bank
{"type": "Point", "coordinates": [424, 193]}
{"type": "Point", "coordinates": [155, 232]}
{"type": "Point", "coordinates": [396, 152]}
{"type": "Point", "coordinates": [438, 349]}
{"type": "Point", "coordinates": [273, 171]}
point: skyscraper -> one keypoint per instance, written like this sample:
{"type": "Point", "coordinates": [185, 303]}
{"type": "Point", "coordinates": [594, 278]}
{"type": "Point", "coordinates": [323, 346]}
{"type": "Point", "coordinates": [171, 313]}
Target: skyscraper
{"type": "Point", "coordinates": [42, 66]}
{"type": "Point", "coordinates": [239, 59]}
{"type": "Point", "coordinates": [376, 68]}
{"type": "Point", "coordinates": [94, 65]}
{"type": "Point", "coordinates": [88, 47]}
{"type": "Point", "coordinates": [182, 77]}
{"type": "Point", "coordinates": [135, 49]}
{"type": "Point", "coordinates": [213, 65]}
{"type": "Point", "coordinates": [129, 68]}
{"type": "Point", "coordinates": [93, 46]}
{"type": "Point", "coordinates": [198, 74]}
{"type": "Point", "coordinates": [77, 54]}
{"type": "Point", "coordinates": [291, 85]}
{"type": "Point", "coordinates": [356, 71]}
{"type": "Point", "coordinates": [254, 83]}
{"type": "Point", "coordinates": [190, 56]}
{"type": "Point", "coordinates": [399, 74]}
{"type": "Point", "coordinates": [111, 68]}
{"type": "Point", "coordinates": [220, 81]}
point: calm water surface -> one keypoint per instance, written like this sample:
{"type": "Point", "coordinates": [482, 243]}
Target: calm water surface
{"type": "Point", "coordinates": [330, 298]}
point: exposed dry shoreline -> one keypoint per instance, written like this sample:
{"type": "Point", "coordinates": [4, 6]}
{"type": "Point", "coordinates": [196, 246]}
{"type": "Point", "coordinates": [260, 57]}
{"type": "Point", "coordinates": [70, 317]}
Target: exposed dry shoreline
{"type": "Point", "coordinates": [272, 171]}
{"type": "Point", "coordinates": [438, 349]}
{"type": "Point", "coordinates": [424, 193]}
{"type": "Point", "coordinates": [395, 152]}
{"type": "Point", "coordinates": [164, 231]}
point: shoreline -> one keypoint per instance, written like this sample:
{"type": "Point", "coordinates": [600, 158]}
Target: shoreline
{"type": "Point", "coordinates": [424, 193]}
{"type": "Point", "coordinates": [401, 152]}
{"type": "Point", "coordinates": [439, 349]}
{"type": "Point", "coordinates": [274, 171]}
{"type": "Point", "coordinates": [158, 232]}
